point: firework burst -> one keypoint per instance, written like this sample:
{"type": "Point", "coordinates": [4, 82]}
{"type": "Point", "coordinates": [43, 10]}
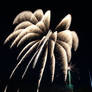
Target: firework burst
{"type": "Point", "coordinates": [34, 29]}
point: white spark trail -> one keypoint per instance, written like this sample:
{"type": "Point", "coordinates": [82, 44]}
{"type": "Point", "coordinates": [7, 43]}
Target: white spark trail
{"type": "Point", "coordinates": [26, 47]}
{"type": "Point", "coordinates": [64, 24]}
{"type": "Point", "coordinates": [29, 36]}
{"type": "Point", "coordinates": [27, 53]}
{"type": "Point", "coordinates": [65, 36]}
{"type": "Point", "coordinates": [75, 40]}
{"type": "Point", "coordinates": [5, 90]}
{"type": "Point", "coordinates": [46, 39]}
{"type": "Point", "coordinates": [42, 69]}
{"type": "Point", "coordinates": [52, 56]}
{"type": "Point", "coordinates": [25, 16]}
{"type": "Point", "coordinates": [37, 53]}
{"type": "Point", "coordinates": [62, 58]}
{"type": "Point", "coordinates": [29, 29]}
{"type": "Point", "coordinates": [41, 25]}
{"type": "Point", "coordinates": [67, 49]}
{"type": "Point", "coordinates": [46, 19]}
{"type": "Point", "coordinates": [23, 25]}
{"type": "Point", "coordinates": [13, 35]}
{"type": "Point", "coordinates": [38, 14]}
{"type": "Point", "coordinates": [34, 19]}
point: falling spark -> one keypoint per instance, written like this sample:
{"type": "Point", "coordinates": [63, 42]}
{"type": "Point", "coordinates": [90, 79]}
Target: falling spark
{"type": "Point", "coordinates": [34, 29]}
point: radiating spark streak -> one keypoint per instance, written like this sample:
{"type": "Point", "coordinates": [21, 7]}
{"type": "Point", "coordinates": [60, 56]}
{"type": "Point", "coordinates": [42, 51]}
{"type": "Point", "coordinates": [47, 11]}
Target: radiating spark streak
{"type": "Point", "coordinates": [26, 47]}
{"type": "Point", "coordinates": [46, 19]}
{"type": "Point", "coordinates": [38, 14]}
{"type": "Point", "coordinates": [47, 37]}
{"type": "Point", "coordinates": [27, 53]}
{"type": "Point", "coordinates": [41, 25]}
{"type": "Point", "coordinates": [90, 79]}
{"type": "Point", "coordinates": [37, 53]}
{"type": "Point", "coordinates": [43, 67]}
{"type": "Point", "coordinates": [29, 64]}
{"type": "Point", "coordinates": [41, 41]}
{"type": "Point", "coordinates": [64, 24]}
{"type": "Point", "coordinates": [34, 19]}
{"type": "Point", "coordinates": [5, 90]}
{"type": "Point", "coordinates": [27, 37]}
{"type": "Point", "coordinates": [29, 29]}
{"type": "Point", "coordinates": [75, 40]}
{"type": "Point", "coordinates": [23, 25]}
{"type": "Point", "coordinates": [65, 36]}
{"type": "Point", "coordinates": [25, 16]}
{"type": "Point", "coordinates": [63, 59]}
{"type": "Point", "coordinates": [13, 35]}
{"type": "Point", "coordinates": [67, 49]}
{"type": "Point", "coordinates": [33, 29]}
{"type": "Point", "coordinates": [33, 57]}
{"type": "Point", "coordinates": [52, 56]}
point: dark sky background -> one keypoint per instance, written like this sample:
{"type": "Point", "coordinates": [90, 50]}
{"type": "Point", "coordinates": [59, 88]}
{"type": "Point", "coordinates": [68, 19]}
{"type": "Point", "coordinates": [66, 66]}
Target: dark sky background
{"type": "Point", "coordinates": [81, 19]}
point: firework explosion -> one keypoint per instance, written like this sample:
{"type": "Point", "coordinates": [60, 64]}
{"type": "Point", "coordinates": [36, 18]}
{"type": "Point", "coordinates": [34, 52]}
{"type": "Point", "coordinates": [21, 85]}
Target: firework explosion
{"type": "Point", "coordinates": [34, 30]}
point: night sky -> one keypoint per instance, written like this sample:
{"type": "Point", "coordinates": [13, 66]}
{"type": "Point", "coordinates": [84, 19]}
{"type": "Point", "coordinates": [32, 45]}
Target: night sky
{"type": "Point", "coordinates": [80, 23]}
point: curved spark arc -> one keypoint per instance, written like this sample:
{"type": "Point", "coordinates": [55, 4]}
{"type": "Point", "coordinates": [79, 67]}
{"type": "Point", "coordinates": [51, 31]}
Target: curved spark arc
{"type": "Point", "coordinates": [75, 40]}
{"type": "Point", "coordinates": [46, 19]}
{"type": "Point", "coordinates": [67, 49]}
{"type": "Point", "coordinates": [13, 35]}
{"type": "Point", "coordinates": [65, 36]}
{"type": "Point", "coordinates": [63, 59]}
{"type": "Point", "coordinates": [29, 29]}
{"type": "Point", "coordinates": [25, 16]}
{"type": "Point", "coordinates": [23, 25]}
{"type": "Point", "coordinates": [29, 36]}
{"type": "Point", "coordinates": [65, 23]}
{"type": "Point", "coordinates": [38, 14]}
{"type": "Point", "coordinates": [41, 25]}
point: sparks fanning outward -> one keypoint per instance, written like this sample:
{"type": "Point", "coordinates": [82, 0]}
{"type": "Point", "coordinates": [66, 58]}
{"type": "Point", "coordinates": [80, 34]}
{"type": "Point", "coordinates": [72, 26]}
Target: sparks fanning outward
{"type": "Point", "coordinates": [34, 28]}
